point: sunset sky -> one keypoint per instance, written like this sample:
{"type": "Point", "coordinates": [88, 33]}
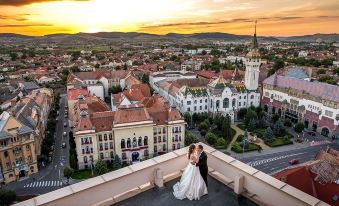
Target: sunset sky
{"type": "Point", "coordinates": [275, 17]}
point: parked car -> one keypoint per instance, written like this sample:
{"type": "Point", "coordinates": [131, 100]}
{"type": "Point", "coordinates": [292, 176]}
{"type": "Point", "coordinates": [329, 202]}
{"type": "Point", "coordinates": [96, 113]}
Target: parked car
{"type": "Point", "coordinates": [65, 124]}
{"type": "Point", "coordinates": [63, 145]}
{"type": "Point", "coordinates": [294, 161]}
{"type": "Point", "coordinates": [65, 134]}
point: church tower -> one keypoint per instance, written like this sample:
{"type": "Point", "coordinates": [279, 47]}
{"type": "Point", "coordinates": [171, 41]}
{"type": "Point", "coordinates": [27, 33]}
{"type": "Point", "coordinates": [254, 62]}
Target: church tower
{"type": "Point", "coordinates": [253, 64]}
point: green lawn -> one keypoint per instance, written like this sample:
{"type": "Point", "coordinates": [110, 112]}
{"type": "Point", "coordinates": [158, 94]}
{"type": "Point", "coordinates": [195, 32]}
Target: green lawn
{"type": "Point", "coordinates": [280, 141]}
{"type": "Point", "coordinates": [82, 174]}
{"type": "Point", "coordinates": [236, 147]}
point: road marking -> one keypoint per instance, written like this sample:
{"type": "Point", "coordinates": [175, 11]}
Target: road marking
{"type": "Point", "coordinates": [264, 161]}
{"type": "Point", "coordinates": [51, 183]}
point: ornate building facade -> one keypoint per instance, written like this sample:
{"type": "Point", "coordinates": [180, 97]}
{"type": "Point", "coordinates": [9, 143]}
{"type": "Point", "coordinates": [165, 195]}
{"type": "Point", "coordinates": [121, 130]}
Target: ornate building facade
{"type": "Point", "coordinates": [313, 103]}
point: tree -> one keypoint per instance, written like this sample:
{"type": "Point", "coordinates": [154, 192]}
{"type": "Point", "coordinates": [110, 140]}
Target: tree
{"type": "Point", "coordinates": [211, 138]}
{"type": "Point", "coordinates": [321, 71]}
{"type": "Point", "coordinates": [221, 142]}
{"type": "Point", "coordinates": [117, 164]}
{"type": "Point", "coordinates": [190, 138]}
{"type": "Point", "coordinates": [269, 134]}
{"type": "Point", "coordinates": [278, 64]}
{"type": "Point", "coordinates": [68, 172]}
{"type": "Point", "coordinates": [202, 126]}
{"type": "Point", "coordinates": [275, 118]}
{"type": "Point", "coordinates": [288, 122]}
{"type": "Point", "coordinates": [97, 66]}
{"type": "Point", "coordinates": [187, 117]}
{"type": "Point", "coordinates": [13, 56]}
{"type": "Point", "coordinates": [114, 90]}
{"type": "Point", "coordinates": [226, 127]}
{"type": "Point", "coordinates": [299, 127]}
{"type": "Point", "coordinates": [75, 69]}
{"type": "Point", "coordinates": [278, 128]}
{"type": "Point", "coordinates": [242, 112]}
{"type": "Point", "coordinates": [250, 115]}
{"type": "Point", "coordinates": [100, 167]}
{"type": "Point", "coordinates": [145, 79]}
{"type": "Point", "coordinates": [7, 197]}
{"type": "Point", "coordinates": [203, 52]}
{"type": "Point", "coordinates": [252, 124]}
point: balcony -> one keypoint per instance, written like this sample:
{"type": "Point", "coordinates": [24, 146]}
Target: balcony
{"type": "Point", "coordinates": [133, 185]}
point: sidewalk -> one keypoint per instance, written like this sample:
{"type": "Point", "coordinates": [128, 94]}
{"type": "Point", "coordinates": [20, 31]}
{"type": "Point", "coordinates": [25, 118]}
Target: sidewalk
{"type": "Point", "coordinates": [270, 150]}
{"type": "Point", "coordinates": [238, 132]}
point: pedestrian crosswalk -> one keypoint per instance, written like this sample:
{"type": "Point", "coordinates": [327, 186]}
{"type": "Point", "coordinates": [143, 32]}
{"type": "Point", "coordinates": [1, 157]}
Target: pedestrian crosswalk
{"type": "Point", "coordinates": [315, 143]}
{"type": "Point", "coordinates": [264, 161]}
{"type": "Point", "coordinates": [55, 183]}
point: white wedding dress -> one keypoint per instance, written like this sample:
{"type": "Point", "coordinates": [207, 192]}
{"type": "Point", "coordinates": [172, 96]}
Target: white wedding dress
{"type": "Point", "coordinates": [191, 185]}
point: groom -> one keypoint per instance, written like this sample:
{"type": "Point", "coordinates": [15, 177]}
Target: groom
{"type": "Point", "coordinates": [202, 164]}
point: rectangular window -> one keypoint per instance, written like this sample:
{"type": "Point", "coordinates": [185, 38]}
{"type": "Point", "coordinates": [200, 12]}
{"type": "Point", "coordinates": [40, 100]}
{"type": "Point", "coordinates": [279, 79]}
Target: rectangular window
{"type": "Point", "coordinates": [328, 113]}
{"type": "Point", "coordinates": [188, 102]}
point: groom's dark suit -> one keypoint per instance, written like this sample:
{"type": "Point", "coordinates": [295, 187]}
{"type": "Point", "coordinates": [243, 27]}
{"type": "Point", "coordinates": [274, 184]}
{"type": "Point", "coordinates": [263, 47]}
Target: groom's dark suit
{"type": "Point", "coordinates": [202, 164]}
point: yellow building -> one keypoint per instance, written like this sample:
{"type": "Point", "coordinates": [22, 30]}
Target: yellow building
{"type": "Point", "coordinates": [133, 132]}
{"type": "Point", "coordinates": [17, 149]}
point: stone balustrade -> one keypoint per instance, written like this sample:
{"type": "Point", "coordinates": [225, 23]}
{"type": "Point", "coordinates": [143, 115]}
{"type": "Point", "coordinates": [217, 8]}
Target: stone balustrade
{"type": "Point", "coordinates": [127, 182]}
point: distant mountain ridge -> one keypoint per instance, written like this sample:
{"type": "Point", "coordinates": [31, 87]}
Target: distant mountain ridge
{"type": "Point", "coordinates": [207, 35]}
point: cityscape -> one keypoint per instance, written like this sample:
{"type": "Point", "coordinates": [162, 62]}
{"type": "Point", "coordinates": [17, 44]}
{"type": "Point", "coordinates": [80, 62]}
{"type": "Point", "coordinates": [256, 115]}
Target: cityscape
{"type": "Point", "coordinates": [103, 109]}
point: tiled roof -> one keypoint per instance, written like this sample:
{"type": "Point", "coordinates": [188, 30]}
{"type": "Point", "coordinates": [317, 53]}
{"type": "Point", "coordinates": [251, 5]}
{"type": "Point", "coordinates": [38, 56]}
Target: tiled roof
{"type": "Point", "coordinates": [137, 92]}
{"type": "Point", "coordinates": [102, 121]}
{"type": "Point", "coordinates": [73, 94]}
{"type": "Point", "coordinates": [131, 113]}
{"type": "Point", "coordinates": [317, 89]}
{"type": "Point", "coordinates": [131, 80]}
{"type": "Point", "coordinates": [206, 74]}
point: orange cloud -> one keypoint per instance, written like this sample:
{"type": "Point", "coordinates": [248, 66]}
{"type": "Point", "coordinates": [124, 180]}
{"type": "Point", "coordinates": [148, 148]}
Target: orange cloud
{"type": "Point", "coordinates": [25, 2]}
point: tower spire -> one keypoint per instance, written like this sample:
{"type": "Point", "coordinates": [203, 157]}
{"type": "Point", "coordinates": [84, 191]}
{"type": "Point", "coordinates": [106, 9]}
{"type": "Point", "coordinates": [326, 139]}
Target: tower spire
{"type": "Point", "coordinates": [255, 41]}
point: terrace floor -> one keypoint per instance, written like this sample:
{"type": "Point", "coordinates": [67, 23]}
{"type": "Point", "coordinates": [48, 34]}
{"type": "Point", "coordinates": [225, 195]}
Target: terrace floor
{"type": "Point", "coordinates": [218, 195]}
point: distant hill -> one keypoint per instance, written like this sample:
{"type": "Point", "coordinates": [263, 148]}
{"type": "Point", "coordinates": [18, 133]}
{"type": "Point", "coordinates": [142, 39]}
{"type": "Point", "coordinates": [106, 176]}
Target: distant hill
{"type": "Point", "coordinates": [12, 35]}
{"type": "Point", "coordinates": [312, 38]}
{"type": "Point", "coordinates": [99, 36]}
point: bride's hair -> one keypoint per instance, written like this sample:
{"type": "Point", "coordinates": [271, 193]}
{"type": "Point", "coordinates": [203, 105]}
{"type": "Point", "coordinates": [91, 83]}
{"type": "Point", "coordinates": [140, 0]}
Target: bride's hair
{"type": "Point", "coordinates": [191, 150]}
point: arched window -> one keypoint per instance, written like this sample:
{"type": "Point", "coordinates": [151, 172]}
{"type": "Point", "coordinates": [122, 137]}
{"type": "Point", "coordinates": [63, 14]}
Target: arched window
{"type": "Point", "coordinates": [233, 102]}
{"type": "Point", "coordinates": [140, 141]}
{"type": "Point", "coordinates": [85, 159]}
{"type": "Point", "coordinates": [226, 103]}
{"type": "Point", "coordinates": [252, 96]}
{"type": "Point", "coordinates": [128, 143]}
{"type": "Point", "coordinates": [134, 142]}
{"type": "Point", "coordinates": [145, 140]}
{"type": "Point", "coordinates": [123, 144]}
{"type": "Point", "coordinates": [217, 104]}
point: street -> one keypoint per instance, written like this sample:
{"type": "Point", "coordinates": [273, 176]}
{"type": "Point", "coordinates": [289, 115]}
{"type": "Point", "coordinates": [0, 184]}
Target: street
{"type": "Point", "coordinates": [50, 177]}
{"type": "Point", "coordinates": [272, 163]}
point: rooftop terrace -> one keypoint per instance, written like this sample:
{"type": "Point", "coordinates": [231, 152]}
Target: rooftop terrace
{"type": "Point", "coordinates": [219, 195]}
{"type": "Point", "coordinates": [134, 185]}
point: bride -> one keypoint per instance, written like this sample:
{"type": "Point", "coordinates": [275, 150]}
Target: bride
{"type": "Point", "coordinates": [191, 185]}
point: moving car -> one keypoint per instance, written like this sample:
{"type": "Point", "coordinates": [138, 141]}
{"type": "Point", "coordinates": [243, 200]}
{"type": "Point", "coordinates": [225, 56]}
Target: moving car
{"type": "Point", "coordinates": [294, 161]}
